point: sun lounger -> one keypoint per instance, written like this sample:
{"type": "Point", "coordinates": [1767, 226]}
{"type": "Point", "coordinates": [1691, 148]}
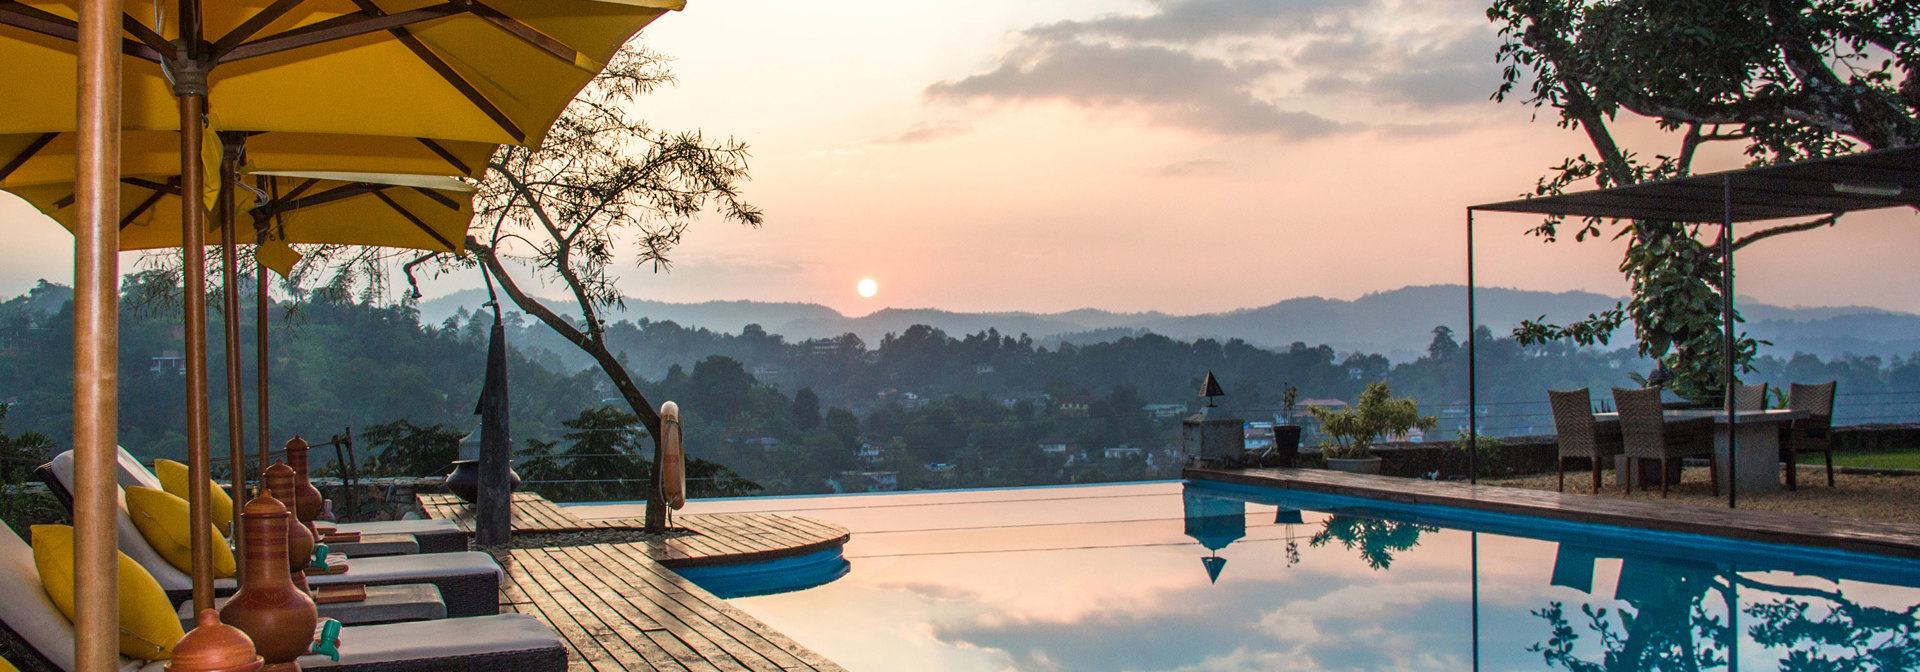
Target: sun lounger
{"type": "Point", "coordinates": [469, 582]}
{"type": "Point", "coordinates": [36, 637]}
{"type": "Point", "coordinates": [433, 536]}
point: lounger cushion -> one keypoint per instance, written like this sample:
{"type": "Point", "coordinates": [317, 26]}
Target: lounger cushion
{"type": "Point", "coordinates": [163, 520]}
{"type": "Point", "coordinates": [148, 626]}
{"type": "Point", "coordinates": [7, 667]}
{"type": "Point", "coordinates": [478, 635]}
{"type": "Point", "coordinates": [131, 541]}
{"type": "Point", "coordinates": [133, 473]}
{"type": "Point", "coordinates": [173, 479]}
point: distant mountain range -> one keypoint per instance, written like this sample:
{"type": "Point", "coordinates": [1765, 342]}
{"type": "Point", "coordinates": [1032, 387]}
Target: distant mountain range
{"type": "Point", "coordinates": [1398, 323]}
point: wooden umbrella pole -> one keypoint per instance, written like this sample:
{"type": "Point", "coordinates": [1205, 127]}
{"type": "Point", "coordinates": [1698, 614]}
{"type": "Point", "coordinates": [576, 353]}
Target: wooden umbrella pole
{"type": "Point", "coordinates": [262, 303]}
{"type": "Point", "coordinates": [230, 305]}
{"type": "Point", "coordinates": [193, 251]}
{"type": "Point", "coordinates": [96, 340]}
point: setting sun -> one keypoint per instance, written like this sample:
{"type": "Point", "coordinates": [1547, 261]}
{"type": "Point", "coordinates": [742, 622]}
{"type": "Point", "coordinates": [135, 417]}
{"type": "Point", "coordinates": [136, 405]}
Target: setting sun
{"type": "Point", "coordinates": [867, 287]}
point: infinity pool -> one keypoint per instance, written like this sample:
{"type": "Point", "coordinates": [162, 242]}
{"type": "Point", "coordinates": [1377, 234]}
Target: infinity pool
{"type": "Point", "coordinates": [1173, 576]}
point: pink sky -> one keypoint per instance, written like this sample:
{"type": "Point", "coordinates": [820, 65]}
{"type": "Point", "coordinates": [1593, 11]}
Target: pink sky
{"type": "Point", "coordinates": [1183, 156]}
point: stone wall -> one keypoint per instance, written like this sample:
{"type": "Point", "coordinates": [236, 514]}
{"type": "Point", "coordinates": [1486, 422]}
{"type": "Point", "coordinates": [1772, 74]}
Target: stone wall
{"type": "Point", "coordinates": [378, 498]}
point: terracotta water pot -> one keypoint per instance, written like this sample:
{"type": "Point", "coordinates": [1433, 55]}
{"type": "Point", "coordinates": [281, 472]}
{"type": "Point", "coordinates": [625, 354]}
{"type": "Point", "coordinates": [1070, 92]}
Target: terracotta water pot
{"type": "Point", "coordinates": [308, 508]}
{"type": "Point", "coordinates": [278, 617]}
{"type": "Point", "coordinates": [279, 479]}
{"type": "Point", "coordinates": [212, 646]}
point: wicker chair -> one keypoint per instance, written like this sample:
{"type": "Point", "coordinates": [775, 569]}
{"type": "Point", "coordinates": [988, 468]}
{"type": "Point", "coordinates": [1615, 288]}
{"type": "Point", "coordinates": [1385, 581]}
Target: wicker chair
{"type": "Point", "coordinates": [1646, 435]}
{"type": "Point", "coordinates": [1811, 434]}
{"type": "Point", "coordinates": [1750, 397]}
{"type": "Point", "coordinates": [1580, 434]}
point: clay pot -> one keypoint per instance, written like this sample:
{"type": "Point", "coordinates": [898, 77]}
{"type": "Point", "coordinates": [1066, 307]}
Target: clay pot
{"type": "Point", "coordinates": [464, 482]}
{"type": "Point", "coordinates": [278, 617]}
{"type": "Point", "coordinates": [279, 479]}
{"type": "Point", "coordinates": [213, 646]}
{"type": "Point", "coordinates": [308, 508]}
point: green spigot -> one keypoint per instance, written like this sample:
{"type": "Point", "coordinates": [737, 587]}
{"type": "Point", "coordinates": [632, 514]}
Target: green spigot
{"type": "Point", "coordinates": [328, 643]}
{"type": "Point", "coordinates": [319, 557]}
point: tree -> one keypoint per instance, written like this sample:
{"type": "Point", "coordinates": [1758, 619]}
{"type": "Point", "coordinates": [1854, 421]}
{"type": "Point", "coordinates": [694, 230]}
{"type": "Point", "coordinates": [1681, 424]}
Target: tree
{"type": "Point", "coordinates": [806, 409]}
{"type": "Point", "coordinates": [1786, 79]}
{"type": "Point", "coordinates": [603, 182]}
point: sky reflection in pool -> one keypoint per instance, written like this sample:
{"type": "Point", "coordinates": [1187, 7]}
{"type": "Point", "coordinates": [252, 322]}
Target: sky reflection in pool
{"type": "Point", "coordinates": [1119, 577]}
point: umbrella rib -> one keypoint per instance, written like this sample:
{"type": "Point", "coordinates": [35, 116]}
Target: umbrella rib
{"type": "Point", "coordinates": [152, 199]}
{"type": "Point", "coordinates": [437, 149]}
{"type": "Point", "coordinates": [438, 197]}
{"type": "Point", "coordinates": [526, 33]}
{"type": "Point", "coordinates": [384, 198]}
{"type": "Point", "coordinates": [297, 191]}
{"type": "Point", "coordinates": [338, 28]}
{"type": "Point", "coordinates": [447, 73]}
{"type": "Point", "coordinates": [58, 27]}
{"type": "Point", "coordinates": [252, 25]}
{"type": "Point", "coordinates": [141, 32]}
{"type": "Point", "coordinates": [171, 186]}
{"type": "Point", "coordinates": [25, 154]}
{"type": "Point", "coordinates": [295, 202]}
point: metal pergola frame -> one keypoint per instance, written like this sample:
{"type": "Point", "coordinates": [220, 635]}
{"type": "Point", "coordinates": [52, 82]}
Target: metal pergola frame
{"type": "Point", "coordinates": [1867, 181]}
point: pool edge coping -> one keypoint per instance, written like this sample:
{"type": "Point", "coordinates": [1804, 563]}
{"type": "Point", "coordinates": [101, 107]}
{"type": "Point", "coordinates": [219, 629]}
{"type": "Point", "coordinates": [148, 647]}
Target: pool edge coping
{"type": "Point", "coordinates": [1877, 538]}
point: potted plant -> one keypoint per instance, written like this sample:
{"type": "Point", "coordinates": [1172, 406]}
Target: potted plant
{"type": "Point", "coordinates": [1286, 436]}
{"type": "Point", "coordinates": [1352, 432]}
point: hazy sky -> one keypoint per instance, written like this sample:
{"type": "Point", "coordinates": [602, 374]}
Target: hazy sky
{"type": "Point", "coordinates": [1181, 155]}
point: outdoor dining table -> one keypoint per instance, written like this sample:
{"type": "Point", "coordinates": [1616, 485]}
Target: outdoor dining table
{"type": "Point", "coordinates": [1758, 442]}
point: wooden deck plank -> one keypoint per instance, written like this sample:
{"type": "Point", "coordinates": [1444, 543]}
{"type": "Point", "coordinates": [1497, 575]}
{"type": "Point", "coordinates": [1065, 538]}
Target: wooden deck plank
{"type": "Point", "coordinates": [634, 604]}
{"type": "Point", "coordinates": [668, 598]}
{"type": "Point", "coordinates": [584, 647]}
{"type": "Point", "coordinates": [745, 635]}
{"type": "Point", "coordinates": [620, 606]}
{"type": "Point", "coordinates": [591, 634]}
{"type": "Point", "coordinates": [645, 635]}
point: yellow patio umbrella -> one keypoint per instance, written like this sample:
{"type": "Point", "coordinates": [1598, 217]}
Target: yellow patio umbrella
{"type": "Point", "coordinates": [413, 212]}
{"type": "Point", "coordinates": [473, 70]}
{"type": "Point", "coordinates": [405, 211]}
{"type": "Point", "coordinates": [494, 71]}
{"type": "Point", "coordinates": [49, 158]}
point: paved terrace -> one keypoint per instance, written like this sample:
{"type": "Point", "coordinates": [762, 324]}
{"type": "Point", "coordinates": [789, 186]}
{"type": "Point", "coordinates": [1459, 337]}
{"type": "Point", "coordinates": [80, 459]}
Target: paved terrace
{"type": "Point", "coordinates": [1896, 539]}
{"type": "Point", "coordinates": [621, 607]}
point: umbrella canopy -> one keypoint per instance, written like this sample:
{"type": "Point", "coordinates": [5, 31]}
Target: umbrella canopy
{"type": "Point", "coordinates": [48, 158]}
{"type": "Point", "coordinates": [422, 214]}
{"type": "Point", "coordinates": [494, 71]}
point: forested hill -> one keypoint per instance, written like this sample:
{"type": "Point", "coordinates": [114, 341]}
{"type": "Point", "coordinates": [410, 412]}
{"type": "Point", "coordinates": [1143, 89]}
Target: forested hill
{"type": "Point", "coordinates": [1392, 323]}
{"type": "Point", "coordinates": [950, 410]}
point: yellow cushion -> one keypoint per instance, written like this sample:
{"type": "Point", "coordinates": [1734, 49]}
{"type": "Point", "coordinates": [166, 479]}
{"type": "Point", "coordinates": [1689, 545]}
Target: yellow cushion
{"type": "Point", "coordinates": [173, 479]}
{"type": "Point", "coordinates": [148, 625]}
{"type": "Point", "coordinates": [7, 667]}
{"type": "Point", "coordinates": [162, 519]}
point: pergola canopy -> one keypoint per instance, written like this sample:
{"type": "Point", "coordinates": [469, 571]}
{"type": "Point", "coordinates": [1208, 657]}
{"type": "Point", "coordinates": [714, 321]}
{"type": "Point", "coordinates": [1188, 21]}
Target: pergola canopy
{"type": "Point", "coordinates": [1866, 181]}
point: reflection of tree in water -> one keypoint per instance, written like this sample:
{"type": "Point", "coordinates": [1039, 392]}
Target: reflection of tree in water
{"type": "Point", "coordinates": [1848, 636]}
{"type": "Point", "coordinates": [1670, 628]}
{"type": "Point", "coordinates": [1377, 540]}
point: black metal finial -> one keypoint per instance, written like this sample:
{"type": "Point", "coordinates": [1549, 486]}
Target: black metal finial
{"type": "Point", "coordinates": [1211, 389]}
{"type": "Point", "coordinates": [1659, 375]}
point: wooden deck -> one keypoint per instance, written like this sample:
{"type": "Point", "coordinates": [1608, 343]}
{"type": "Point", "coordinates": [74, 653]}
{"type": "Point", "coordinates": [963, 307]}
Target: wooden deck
{"type": "Point", "coordinates": [620, 606]}
{"type": "Point", "coordinates": [717, 538]}
{"type": "Point", "coordinates": [1894, 539]}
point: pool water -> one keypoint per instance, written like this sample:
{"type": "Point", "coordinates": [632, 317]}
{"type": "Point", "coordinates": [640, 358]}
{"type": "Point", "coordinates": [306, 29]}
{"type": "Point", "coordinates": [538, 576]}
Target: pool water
{"type": "Point", "coordinates": [1174, 576]}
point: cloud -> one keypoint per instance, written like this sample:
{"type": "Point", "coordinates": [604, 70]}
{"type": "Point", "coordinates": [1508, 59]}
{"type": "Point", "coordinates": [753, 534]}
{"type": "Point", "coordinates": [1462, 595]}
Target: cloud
{"type": "Point", "coordinates": [1238, 68]}
{"type": "Point", "coordinates": [921, 133]}
{"type": "Point", "coordinates": [1197, 168]}
{"type": "Point", "coordinates": [1173, 87]}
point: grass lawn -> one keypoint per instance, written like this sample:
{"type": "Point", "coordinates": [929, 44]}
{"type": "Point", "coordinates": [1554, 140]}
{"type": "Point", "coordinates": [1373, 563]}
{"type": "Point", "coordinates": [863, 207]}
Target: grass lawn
{"type": "Point", "coordinates": [1897, 459]}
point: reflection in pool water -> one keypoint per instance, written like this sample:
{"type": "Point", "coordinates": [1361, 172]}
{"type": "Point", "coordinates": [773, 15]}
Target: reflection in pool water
{"type": "Point", "coordinates": [1103, 578]}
